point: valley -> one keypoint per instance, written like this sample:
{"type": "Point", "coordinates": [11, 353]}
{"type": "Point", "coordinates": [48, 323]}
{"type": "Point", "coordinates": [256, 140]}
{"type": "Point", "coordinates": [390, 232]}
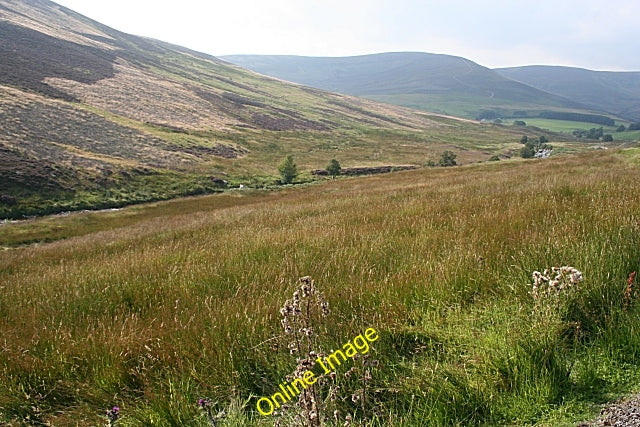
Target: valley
{"type": "Point", "coordinates": [354, 241]}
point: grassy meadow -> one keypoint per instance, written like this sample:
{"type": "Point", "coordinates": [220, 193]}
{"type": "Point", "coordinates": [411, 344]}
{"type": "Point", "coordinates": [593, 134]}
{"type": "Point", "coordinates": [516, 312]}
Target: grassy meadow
{"type": "Point", "coordinates": [153, 307]}
{"type": "Point", "coordinates": [566, 126]}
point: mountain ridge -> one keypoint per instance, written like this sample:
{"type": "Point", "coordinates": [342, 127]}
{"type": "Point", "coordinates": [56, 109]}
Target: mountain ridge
{"type": "Point", "coordinates": [427, 81]}
{"type": "Point", "coordinates": [615, 91]}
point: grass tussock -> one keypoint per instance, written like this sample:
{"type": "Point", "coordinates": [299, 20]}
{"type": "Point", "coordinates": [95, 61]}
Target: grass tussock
{"type": "Point", "coordinates": [180, 306]}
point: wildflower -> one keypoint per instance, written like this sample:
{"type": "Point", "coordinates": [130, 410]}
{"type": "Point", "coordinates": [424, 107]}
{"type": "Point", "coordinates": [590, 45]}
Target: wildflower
{"type": "Point", "coordinates": [628, 291]}
{"type": "Point", "coordinates": [325, 308]}
{"type": "Point", "coordinates": [555, 281]}
{"type": "Point", "coordinates": [347, 420]}
{"type": "Point", "coordinates": [113, 414]}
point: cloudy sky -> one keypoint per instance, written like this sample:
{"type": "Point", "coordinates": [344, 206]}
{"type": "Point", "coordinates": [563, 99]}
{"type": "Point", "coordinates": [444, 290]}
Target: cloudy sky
{"type": "Point", "coordinates": [595, 34]}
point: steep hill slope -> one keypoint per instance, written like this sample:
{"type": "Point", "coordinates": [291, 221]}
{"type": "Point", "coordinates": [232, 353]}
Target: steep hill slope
{"type": "Point", "coordinates": [92, 117]}
{"type": "Point", "coordinates": [427, 81]}
{"type": "Point", "coordinates": [616, 92]}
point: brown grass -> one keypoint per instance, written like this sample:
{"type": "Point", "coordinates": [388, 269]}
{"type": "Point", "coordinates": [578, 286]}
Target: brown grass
{"type": "Point", "coordinates": [188, 291]}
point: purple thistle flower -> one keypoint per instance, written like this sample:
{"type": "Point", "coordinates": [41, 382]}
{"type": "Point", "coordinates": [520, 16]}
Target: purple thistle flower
{"type": "Point", "coordinates": [113, 414]}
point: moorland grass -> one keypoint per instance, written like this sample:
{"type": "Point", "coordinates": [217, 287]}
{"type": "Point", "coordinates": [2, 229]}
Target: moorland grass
{"type": "Point", "coordinates": [183, 302]}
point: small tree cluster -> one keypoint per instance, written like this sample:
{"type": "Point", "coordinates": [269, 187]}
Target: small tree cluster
{"type": "Point", "coordinates": [593, 133]}
{"type": "Point", "coordinates": [532, 146]}
{"type": "Point", "coordinates": [447, 158]}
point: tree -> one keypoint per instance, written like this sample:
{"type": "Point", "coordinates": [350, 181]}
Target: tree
{"type": "Point", "coordinates": [634, 126]}
{"type": "Point", "coordinates": [448, 158]}
{"type": "Point", "coordinates": [519, 123]}
{"type": "Point", "coordinates": [593, 133]}
{"type": "Point", "coordinates": [334, 168]}
{"type": "Point", "coordinates": [607, 137]}
{"type": "Point", "coordinates": [288, 170]}
{"type": "Point", "coordinates": [535, 147]}
{"type": "Point", "coordinates": [527, 152]}
{"type": "Point", "coordinates": [621, 128]}
{"type": "Point", "coordinates": [524, 139]}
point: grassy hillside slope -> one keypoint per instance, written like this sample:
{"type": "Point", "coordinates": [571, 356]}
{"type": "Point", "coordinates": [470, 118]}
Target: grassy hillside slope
{"type": "Point", "coordinates": [95, 118]}
{"type": "Point", "coordinates": [180, 300]}
{"type": "Point", "coordinates": [441, 83]}
{"type": "Point", "coordinates": [616, 92]}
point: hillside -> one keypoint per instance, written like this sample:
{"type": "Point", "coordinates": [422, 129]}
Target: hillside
{"type": "Point", "coordinates": [616, 92]}
{"type": "Point", "coordinates": [442, 83]}
{"type": "Point", "coordinates": [92, 117]}
{"type": "Point", "coordinates": [154, 307]}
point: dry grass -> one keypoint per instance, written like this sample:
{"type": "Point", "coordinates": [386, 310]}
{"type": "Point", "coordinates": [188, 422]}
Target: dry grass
{"type": "Point", "coordinates": [176, 306]}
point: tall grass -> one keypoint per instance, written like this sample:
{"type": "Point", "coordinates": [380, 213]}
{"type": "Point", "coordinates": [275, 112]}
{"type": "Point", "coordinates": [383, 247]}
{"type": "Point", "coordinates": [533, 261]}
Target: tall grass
{"type": "Point", "coordinates": [152, 316]}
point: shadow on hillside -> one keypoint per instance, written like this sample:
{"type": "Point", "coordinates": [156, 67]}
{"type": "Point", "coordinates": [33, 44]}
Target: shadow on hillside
{"type": "Point", "coordinates": [29, 56]}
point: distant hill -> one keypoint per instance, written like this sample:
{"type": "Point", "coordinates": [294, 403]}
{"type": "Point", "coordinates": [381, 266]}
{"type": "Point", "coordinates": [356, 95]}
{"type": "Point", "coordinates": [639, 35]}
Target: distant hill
{"type": "Point", "coordinates": [615, 92]}
{"type": "Point", "coordinates": [91, 117]}
{"type": "Point", "coordinates": [441, 83]}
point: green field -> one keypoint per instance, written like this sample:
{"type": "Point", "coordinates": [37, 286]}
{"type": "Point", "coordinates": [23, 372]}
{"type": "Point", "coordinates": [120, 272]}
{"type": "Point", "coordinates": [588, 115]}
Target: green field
{"type": "Point", "coordinates": [155, 306]}
{"type": "Point", "coordinates": [567, 126]}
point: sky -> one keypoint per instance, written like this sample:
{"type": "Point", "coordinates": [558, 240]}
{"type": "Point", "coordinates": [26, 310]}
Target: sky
{"type": "Point", "coordinates": [594, 34]}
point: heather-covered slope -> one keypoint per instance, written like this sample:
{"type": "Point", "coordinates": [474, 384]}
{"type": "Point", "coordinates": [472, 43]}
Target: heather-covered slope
{"type": "Point", "coordinates": [92, 117]}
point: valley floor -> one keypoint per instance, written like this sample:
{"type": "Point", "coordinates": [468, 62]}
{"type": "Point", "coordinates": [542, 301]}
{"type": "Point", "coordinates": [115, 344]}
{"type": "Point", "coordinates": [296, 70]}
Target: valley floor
{"type": "Point", "coordinates": [153, 307]}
